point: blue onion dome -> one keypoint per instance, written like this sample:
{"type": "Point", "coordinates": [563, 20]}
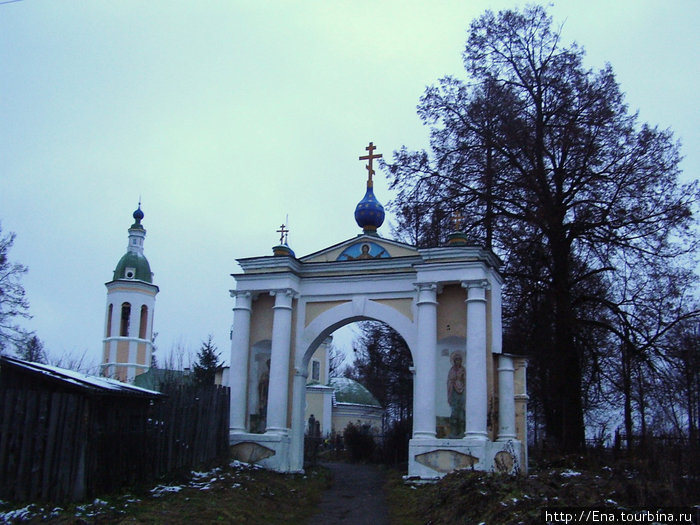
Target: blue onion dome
{"type": "Point", "coordinates": [138, 217]}
{"type": "Point", "coordinates": [369, 214]}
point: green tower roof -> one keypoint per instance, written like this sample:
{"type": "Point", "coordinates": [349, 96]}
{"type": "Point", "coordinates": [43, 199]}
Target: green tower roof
{"type": "Point", "coordinates": [133, 266]}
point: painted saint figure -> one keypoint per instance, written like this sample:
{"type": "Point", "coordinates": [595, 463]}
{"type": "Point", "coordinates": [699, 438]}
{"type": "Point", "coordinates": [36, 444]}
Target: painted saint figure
{"type": "Point", "coordinates": [456, 382]}
{"type": "Point", "coordinates": [263, 385]}
{"type": "Point", "coordinates": [365, 254]}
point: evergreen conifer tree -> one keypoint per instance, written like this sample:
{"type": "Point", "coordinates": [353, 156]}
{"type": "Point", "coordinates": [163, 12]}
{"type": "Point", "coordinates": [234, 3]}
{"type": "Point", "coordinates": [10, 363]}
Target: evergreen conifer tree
{"type": "Point", "coordinates": [207, 363]}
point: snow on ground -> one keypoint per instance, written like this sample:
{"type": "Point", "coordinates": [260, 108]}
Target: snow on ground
{"type": "Point", "coordinates": [198, 480]}
{"type": "Point", "coordinates": [569, 474]}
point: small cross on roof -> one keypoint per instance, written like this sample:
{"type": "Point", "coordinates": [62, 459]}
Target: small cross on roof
{"type": "Point", "coordinates": [457, 220]}
{"type": "Point", "coordinates": [370, 157]}
{"type": "Point", "coordinates": [283, 234]}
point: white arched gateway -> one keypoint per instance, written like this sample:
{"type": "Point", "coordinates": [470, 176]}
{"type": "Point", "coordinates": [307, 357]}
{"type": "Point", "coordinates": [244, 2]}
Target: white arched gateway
{"type": "Point", "coordinates": [446, 304]}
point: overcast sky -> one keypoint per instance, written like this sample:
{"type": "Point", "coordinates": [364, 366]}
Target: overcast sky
{"type": "Point", "coordinates": [227, 116]}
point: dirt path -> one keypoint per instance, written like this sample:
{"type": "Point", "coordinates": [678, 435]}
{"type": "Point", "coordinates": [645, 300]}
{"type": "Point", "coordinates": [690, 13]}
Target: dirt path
{"type": "Point", "coordinates": [356, 497]}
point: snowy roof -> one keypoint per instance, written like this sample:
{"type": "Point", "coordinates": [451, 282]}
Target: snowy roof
{"type": "Point", "coordinates": [71, 378]}
{"type": "Point", "coordinates": [351, 392]}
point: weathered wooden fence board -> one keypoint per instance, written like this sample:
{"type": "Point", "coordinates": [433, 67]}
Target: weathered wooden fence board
{"type": "Point", "coordinates": [57, 446]}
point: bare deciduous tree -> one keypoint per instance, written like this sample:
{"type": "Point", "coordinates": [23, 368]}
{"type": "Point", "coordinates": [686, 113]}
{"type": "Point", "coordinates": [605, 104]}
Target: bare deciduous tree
{"type": "Point", "coordinates": [13, 302]}
{"type": "Point", "coordinates": [558, 177]}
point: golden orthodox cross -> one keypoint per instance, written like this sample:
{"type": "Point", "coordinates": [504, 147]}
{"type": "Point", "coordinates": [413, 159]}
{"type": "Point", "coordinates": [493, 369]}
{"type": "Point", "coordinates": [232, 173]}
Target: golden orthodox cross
{"type": "Point", "coordinates": [457, 220]}
{"type": "Point", "coordinates": [283, 234]}
{"type": "Point", "coordinates": [370, 157]}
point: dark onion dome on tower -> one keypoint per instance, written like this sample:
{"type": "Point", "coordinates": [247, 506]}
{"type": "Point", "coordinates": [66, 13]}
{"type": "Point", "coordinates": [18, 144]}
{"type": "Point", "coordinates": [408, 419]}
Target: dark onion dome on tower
{"type": "Point", "coordinates": [138, 217]}
{"type": "Point", "coordinates": [133, 265]}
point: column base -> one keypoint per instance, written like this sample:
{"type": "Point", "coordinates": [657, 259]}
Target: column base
{"type": "Point", "coordinates": [270, 451]}
{"type": "Point", "coordinates": [277, 431]}
{"type": "Point", "coordinates": [431, 459]}
{"type": "Point", "coordinates": [424, 435]}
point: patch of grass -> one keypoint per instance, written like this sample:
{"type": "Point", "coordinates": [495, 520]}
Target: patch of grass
{"type": "Point", "coordinates": [469, 497]}
{"type": "Point", "coordinates": [230, 494]}
{"type": "Point", "coordinates": [406, 503]}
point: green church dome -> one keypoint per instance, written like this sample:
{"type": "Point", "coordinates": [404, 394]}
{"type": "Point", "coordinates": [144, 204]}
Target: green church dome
{"type": "Point", "coordinates": [350, 391]}
{"type": "Point", "coordinates": [133, 266]}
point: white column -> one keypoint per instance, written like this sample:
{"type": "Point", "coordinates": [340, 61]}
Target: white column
{"type": "Point", "coordinates": [506, 398]}
{"type": "Point", "coordinates": [496, 308]}
{"type": "Point", "coordinates": [424, 385]}
{"type": "Point", "coordinates": [279, 362]}
{"type": "Point", "coordinates": [477, 394]}
{"type": "Point", "coordinates": [238, 375]}
{"type": "Point", "coordinates": [296, 450]}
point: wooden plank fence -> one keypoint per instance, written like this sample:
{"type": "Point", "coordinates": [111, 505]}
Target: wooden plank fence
{"type": "Point", "coordinates": [60, 446]}
{"type": "Point", "coordinates": [190, 428]}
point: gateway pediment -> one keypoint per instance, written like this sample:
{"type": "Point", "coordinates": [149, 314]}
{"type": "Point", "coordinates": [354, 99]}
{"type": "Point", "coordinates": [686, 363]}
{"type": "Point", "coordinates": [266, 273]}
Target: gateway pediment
{"type": "Point", "coordinates": [362, 247]}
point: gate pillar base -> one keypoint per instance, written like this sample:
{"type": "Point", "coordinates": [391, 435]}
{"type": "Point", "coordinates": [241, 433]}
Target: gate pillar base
{"type": "Point", "coordinates": [431, 459]}
{"type": "Point", "coordinates": [270, 451]}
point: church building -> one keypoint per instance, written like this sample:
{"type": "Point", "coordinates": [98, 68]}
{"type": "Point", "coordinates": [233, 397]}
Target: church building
{"type": "Point", "coordinates": [335, 402]}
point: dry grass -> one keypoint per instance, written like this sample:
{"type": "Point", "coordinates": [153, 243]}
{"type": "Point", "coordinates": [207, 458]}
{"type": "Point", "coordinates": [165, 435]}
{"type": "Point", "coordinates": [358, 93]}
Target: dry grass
{"type": "Point", "coordinates": [226, 495]}
{"type": "Point", "coordinates": [467, 497]}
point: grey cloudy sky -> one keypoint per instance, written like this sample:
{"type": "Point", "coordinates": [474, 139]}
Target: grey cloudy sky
{"type": "Point", "coordinates": [225, 116]}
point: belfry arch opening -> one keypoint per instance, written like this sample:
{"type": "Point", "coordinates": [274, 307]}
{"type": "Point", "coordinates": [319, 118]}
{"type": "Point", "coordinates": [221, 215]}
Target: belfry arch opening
{"type": "Point", "coordinates": [125, 320]}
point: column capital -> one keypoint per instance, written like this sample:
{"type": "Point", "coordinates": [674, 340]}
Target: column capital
{"type": "Point", "coordinates": [299, 372]}
{"type": "Point", "coordinates": [427, 292]}
{"type": "Point", "coordinates": [505, 363]}
{"type": "Point", "coordinates": [243, 298]}
{"type": "Point", "coordinates": [426, 286]}
{"type": "Point", "coordinates": [288, 292]}
{"type": "Point", "coordinates": [476, 283]}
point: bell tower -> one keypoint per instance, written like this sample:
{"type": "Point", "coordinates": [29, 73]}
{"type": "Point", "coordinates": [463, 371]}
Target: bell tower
{"type": "Point", "coordinates": [131, 297]}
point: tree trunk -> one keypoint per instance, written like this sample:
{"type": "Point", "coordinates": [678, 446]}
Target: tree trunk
{"type": "Point", "coordinates": [627, 393]}
{"type": "Point", "coordinates": [566, 369]}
